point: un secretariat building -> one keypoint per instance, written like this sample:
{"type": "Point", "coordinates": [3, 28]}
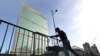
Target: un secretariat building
{"type": "Point", "coordinates": [32, 20]}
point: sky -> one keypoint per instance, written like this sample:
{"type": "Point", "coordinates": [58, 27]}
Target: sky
{"type": "Point", "coordinates": [78, 18]}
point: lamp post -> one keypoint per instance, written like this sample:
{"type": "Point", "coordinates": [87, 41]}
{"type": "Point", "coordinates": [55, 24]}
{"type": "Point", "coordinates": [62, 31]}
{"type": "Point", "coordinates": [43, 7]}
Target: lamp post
{"type": "Point", "coordinates": [93, 40]}
{"type": "Point", "coordinates": [0, 22]}
{"type": "Point", "coordinates": [53, 12]}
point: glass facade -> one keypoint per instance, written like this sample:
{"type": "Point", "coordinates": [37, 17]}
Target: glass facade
{"type": "Point", "coordinates": [32, 20]}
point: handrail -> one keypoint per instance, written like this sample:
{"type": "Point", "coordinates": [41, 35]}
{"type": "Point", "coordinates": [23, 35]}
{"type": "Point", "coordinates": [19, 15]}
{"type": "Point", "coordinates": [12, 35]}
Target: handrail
{"type": "Point", "coordinates": [25, 28]}
{"type": "Point", "coordinates": [37, 39]}
{"type": "Point", "coordinates": [21, 27]}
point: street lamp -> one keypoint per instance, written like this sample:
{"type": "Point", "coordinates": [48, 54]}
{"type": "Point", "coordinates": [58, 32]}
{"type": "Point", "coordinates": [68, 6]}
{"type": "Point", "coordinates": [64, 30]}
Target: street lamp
{"type": "Point", "coordinates": [0, 22]}
{"type": "Point", "coordinates": [93, 41]}
{"type": "Point", "coordinates": [53, 12]}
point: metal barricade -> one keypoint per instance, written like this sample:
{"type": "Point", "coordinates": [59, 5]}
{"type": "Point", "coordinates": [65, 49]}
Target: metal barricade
{"type": "Point", "coordinates": [20, 41]}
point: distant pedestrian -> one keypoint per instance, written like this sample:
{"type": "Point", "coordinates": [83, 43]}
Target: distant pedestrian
{"type": "Point", "coordinates": [65, 41]}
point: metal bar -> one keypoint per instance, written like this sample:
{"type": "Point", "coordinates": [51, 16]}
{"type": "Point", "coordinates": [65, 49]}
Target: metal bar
{"type": "Point", "coordinates": [11, 39]}
{"type": "Point", "coordinates": [17, 40]}
{"type": "Point", "coordinates": [15, 25]}
{"type": "Point", "coordinates": [34, 44]}
{"type": "Point", "coordinates": [41, 44]}
{"type": "Point", "coordinates": [23, 52]}
{"type": "Point", "coordinates": [52, 42]}
{"type": "Point", "coordinates": [32, 41]}
{"type": "Point", "coordinates": [22, 42]}
{"type": "Point", "coordinates": [44, 43]}
{"type": "Point", "coordinates": [47, 41]}
{"type": "Point", "coordinates": [38, 43]}
{"type": "Point", "coordinates": [41, 34]}
{"type": "Point", "coordinates": [27, 43]}
{"type": "Point", "coordinates": [4, 39]}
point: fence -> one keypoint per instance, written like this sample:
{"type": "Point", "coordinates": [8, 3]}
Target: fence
{"type": "Point", "coordinates": [21, 41]}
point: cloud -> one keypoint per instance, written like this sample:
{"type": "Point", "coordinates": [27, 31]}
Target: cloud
{"type": "Point", "coordinates": [89, 20]}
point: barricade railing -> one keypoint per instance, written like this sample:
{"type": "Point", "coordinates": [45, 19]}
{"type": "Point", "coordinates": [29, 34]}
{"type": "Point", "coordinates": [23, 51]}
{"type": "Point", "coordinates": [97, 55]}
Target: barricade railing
{"type": "Point", "coordinates": [20, 41]}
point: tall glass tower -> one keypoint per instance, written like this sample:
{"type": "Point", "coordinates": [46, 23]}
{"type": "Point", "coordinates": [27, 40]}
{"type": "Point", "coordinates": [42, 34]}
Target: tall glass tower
{"type": "Point", "coordinates": [32, 20]}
